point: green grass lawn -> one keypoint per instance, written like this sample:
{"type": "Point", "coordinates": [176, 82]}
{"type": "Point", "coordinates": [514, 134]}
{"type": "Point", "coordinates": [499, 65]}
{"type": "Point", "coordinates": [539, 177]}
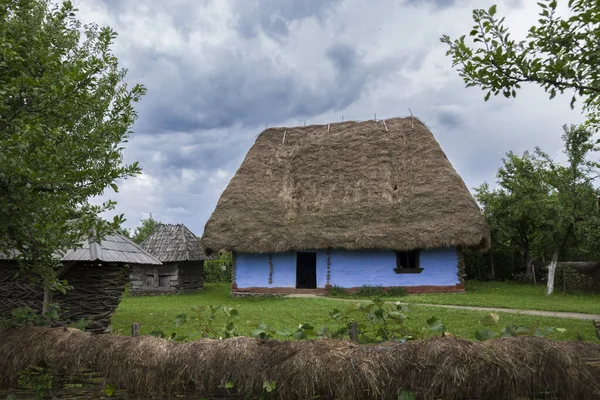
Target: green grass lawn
{"type": "Point", "coordinates": [288, 313]}
{"type": "Point", "coordinates": [512, 295]}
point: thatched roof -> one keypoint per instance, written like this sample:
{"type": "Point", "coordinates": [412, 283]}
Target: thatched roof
{"type": "Point", "coordinates": [174, 243]}
{"type": "Point", "coordinates": [350, 185]}
{"type": "Point", "coordinates": [114, 248]}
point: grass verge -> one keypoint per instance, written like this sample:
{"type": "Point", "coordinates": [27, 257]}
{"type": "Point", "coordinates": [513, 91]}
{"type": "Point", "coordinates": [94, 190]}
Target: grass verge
{"type": "Point", "coordinates": [288, 313]}
{"type": "Point", "coordinates": [512, 295]}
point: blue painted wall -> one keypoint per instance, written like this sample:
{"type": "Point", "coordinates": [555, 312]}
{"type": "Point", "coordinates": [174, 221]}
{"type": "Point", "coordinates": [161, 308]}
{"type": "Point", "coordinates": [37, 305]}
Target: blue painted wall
{"type": "Point", "coordinates": [349, 269]}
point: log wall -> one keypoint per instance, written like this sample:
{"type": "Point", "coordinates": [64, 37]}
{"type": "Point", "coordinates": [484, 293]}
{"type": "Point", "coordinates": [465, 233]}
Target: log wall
{"type": "Point", "coordinates": [154, 279]}
{"type": "Point", "coordinates": [191, 275]}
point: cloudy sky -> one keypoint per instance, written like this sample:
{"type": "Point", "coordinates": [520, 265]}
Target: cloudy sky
{"type": "Point", "coordinates": [218, 71]}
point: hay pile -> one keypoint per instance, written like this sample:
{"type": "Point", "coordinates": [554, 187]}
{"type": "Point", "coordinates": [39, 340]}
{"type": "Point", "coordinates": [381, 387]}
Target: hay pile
{"type": "Point", "coordinates": [445, 368]}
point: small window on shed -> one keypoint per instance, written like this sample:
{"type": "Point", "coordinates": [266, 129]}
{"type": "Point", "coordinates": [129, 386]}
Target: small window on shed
{"type": "Point", "coordinates": [150, 280]}
{"type": "Point", "coordinates": [164, 280]}
{"type": "Point", "coordinates": [408, 262]}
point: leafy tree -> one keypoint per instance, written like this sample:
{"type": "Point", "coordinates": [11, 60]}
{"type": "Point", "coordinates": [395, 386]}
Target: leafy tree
{"type": "Point", "coordinates": [575, 198]}
{"type": "Point", "coordinates": [543, 207]}
{"type": "Point", "coordinates": [124, 232]}
{"type": "Point", "coordinates": [516, 211]}
{"type": "Point", "coordinates": [65, 112]}
{"type": "Point", "coordinates": [142, 232]}
{"type": "Point", "coordinates": [559, 54]}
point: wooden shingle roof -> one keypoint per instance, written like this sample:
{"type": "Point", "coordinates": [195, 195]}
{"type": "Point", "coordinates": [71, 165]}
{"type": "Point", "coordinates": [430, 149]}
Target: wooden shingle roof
{"type": "Point", "coordinates": [114, 248]}
{"type": "Point", "coordinates": [174, 243]}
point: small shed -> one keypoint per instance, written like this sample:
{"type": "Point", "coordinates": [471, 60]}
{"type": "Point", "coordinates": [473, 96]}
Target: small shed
{"type": "Point", "coordinates": [182, 259]}
{"type": "Point", "coordinates": [98, 273]}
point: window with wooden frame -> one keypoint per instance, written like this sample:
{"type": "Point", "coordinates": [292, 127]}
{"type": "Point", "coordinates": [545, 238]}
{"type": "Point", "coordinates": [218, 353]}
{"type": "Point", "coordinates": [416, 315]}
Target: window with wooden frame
{"type": "Point", "coordinates": [408, 262]}
{"type": "Point", "coordinates": [150, 280]}
{"type": "Point", "coordinates": [164, 280]}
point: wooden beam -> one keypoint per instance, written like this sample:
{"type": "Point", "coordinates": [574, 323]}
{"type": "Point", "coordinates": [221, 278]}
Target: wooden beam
{"type": "Point", "coordinates": [135, 329]}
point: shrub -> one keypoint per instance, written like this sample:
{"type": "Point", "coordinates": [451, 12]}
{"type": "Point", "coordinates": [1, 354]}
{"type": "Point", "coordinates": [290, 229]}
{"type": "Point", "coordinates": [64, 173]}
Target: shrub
{"type": "Point", "coordinates": [523, 278]}
{"type": "Point", "coordinates": [396, 292]}
{"type": "Point", "coordinates": [572, 280]}
{"type": "Point", "coordinates": [336, 291]}
{"type": "Point", "coordinates": [219, 269]}
{"type": "Point", "coordinates": [369, 291]}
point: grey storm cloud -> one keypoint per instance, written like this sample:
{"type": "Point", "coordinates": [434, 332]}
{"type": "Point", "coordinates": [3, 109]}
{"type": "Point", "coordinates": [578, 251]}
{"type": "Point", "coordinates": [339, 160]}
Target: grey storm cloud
{"type": "Point", "coordinates": [449, 117]}
{"type": "Point", "coordinates": [274, 17]}
{"type": "Point", "coordinates": [217, 71]}
{"type": "Point", "coordinates": [182, 100]}
{"type": "Point", "coordinates": [436, 3]}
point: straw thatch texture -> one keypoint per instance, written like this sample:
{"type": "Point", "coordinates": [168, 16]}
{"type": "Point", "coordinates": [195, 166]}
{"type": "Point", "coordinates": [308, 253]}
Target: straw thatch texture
{"type": "Point", "coordinates": [350, 185]}
{"type": "Point", "coordinates": [445, 368]}
{"type": "Point", "coordinates": [174, 243]}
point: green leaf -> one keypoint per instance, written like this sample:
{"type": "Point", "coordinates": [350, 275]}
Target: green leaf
{"type": "Point", "coordinates": [490, 319]}
{"type": "Point", "coordinates": [485, 334]}
{"type": "Point", "coordinates": [435, 325]}
{"type": "Point", "coordinates": [492, 10]}
{"type": "Point", "coordinates": [230, 312]}
{"type": "Point", "coordinates": [269, 386]}
{"type": "Point", "coordinates": [109, 390]}
{"type": "Point", "coordinates": [307, 327]}
{"type": "Point", "coordinates": [180, 319]}
{"type": "Point", "coordinates": [81, 324]}
{"type": "Point", "coordinates": [157, 332]}
{"type": "Point", "coordinates": [299, 335]}
{"type": "Point", "coordinates": [406, 394]}
{"type": "Point", "coordinates": [335, 314]}
{"type": "Point", "coordinates": [397, 315]}
{"type": "Point", "coordinates": [229, 385]}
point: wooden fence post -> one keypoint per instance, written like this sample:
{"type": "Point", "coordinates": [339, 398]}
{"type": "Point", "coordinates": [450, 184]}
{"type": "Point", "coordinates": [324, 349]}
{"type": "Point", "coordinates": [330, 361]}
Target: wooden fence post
{"type": "Point", "coordinates": [354, 332]}
{"type": "Point", "coordinates": [135, 329]}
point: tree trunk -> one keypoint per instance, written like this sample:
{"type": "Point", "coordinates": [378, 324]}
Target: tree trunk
{"type": "Point", "coordinates": [530, 267]}
{"type": "Point", "coordinates": [512, 262]}
{"type": "Point", "coordinates": [551, 272]}
{"type": "Point", "coordinates": [46, 301]}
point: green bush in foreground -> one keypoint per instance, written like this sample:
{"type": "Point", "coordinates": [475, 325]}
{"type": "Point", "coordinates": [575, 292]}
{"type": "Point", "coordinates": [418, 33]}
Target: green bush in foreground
{"type": "Point", "coordinates": [367, 291]}
{"type": "Point", "coordinates": [374, 322]}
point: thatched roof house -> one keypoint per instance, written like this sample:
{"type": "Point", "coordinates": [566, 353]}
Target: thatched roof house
{"type": "Point", "coordinates": [182, 259]}
{"type": "Point", "coordinates": [383, 186]}
{"type": "Point", "coordinates": [98, 273]}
